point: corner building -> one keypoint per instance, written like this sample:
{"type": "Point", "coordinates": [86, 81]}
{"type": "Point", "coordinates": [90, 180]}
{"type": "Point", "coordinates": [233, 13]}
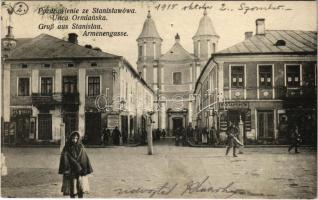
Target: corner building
{"type": "Point", "coordinates": [268, 82]}
{"type": "Point", "coordinates": [50, 84]}
{"type": "Point", "coordinates": [172, 74]}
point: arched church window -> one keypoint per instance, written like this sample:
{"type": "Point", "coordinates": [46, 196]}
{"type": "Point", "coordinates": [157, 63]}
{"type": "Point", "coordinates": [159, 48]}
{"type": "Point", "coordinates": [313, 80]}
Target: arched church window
{"type": "Point", "coordinates": [144, 50]}
{"type": "Point", "coordinates": [154, 50]}
{"type": "Point", "coordinates": [140, 51]}
{"type": "Point", "coordinates": [199, 46]}
{"type": "Point", "coordinates": [209, 47]}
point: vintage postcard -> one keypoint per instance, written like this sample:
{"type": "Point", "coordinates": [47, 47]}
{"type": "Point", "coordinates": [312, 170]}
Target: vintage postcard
{"type": "Point", "coordinates": [159, 99]}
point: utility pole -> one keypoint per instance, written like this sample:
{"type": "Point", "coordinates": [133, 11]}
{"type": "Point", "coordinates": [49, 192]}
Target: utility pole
{"type": "Point", "coordinates": [241, 137]}
{"type": "Point", "coordinates": [149, 134]}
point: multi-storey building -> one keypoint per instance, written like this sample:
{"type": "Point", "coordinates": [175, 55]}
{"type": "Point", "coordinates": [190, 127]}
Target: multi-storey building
{"type": "Point", "coordinates": [172, 75]}
{"type": "Point", "coordinates": [50, 84]}
{"type": "Point", "coordinates": [268, 82]}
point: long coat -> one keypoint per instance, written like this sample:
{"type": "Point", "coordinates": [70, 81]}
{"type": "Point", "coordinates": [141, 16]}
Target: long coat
{"type": "Point", "coordinates": [231, 133]}
{"type": "Point", "coordinates": [116, 136]}
{"type": "Point", "coordinates": [74, 163]}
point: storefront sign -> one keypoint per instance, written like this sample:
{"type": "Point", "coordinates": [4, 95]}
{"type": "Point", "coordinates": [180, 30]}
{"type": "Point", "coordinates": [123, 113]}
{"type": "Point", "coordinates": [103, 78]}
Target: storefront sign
{"type": "Point", "coordinates": [233, 105]}
{"type": "Point", "coordinates": [21, 111]}
{"type": "Point", "coordinates": [112, 121]}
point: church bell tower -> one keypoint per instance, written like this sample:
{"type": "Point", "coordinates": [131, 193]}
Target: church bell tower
{"type": "Point", "coordinates": [205, 41]}
{"type": "Point", "coordinates": [149, 50]}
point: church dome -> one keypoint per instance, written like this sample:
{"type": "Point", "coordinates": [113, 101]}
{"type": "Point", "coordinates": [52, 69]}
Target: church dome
{"type": "Point", "coordinates": [149, 29]}
{"type": "Point", "coordinates": [205, 26]}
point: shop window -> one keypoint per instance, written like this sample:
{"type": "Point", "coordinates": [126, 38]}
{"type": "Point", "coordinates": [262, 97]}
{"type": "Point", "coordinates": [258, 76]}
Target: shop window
{"type": "Point", "coordinates": [293, 75]}
{"type": "Point", "coordinates": [265, 76]}
{"type": "Point", "coordinates": [46, 86]}
{"type": "Point", "coordinates": [93, 86]}
{"type": "Point", "coordinates": [237, 75]}
{"type": "Point", "coordinates": [177, 77]}
{"type": "Point", "coordinates": [24, 87]}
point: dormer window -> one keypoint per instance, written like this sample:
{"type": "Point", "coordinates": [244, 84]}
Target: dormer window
{"type": "Point", "coordinates": [24, 65]}
{"type": "Point", "coordinates": [93, 64]}
{"type": "Point", "coordinates": [280, 43]}
{"type": "Point", "coordinates": [47, 65]}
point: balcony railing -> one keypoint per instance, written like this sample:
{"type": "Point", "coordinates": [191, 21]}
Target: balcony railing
{"type": "Point", "coordinates": [70, 98]}
{"type": "Point", "coordinates": [51, 99]}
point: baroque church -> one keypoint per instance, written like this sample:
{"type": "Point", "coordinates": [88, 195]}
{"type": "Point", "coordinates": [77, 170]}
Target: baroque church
{"type": "Point", "coordinates": [173, 74]}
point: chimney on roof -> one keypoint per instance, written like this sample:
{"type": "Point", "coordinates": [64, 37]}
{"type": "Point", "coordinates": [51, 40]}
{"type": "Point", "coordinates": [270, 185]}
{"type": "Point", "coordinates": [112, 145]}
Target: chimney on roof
{"type": "Point", "coordinates": [248, 34]}
{"type": "Point", "coordinates": [9, 34]}
{"type": "Point", "coordinates": [72, 37]}
{"type": "Point", "coordinates": [260, 26]}
{"type": "Point", "coordinates": [88, 46]}
{"type": "Point", "coordinates": [8, 42]}
{"type": "Point", "coordinates": [177, 38]}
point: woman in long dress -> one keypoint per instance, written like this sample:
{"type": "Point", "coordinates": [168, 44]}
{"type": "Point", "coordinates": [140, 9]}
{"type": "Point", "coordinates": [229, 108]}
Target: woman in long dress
{"type": "Point", "coordinates": [74, 166]}
{"type": "Point", "coordinates": [205, 132]}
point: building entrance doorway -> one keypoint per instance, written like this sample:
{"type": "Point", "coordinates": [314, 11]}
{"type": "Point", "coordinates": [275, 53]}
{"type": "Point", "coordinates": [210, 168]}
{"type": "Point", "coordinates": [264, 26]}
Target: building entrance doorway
{"type": "Point", "coordinates": [93, 128]}
{"type": "Point", "coordinates": [45, 126]}
{"type": "Point", "coordinates": [234, 117]}
{"type": "Point", "coordinates": [177, 122]}
{"type": "Point", "coordinates": [70, 121]}
{"type": "Point", "coordinates": [265, 126]}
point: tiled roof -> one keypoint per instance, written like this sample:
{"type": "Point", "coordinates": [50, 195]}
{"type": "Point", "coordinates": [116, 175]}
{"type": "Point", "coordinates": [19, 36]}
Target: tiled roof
{"type": "Point", "coordinates": [48, 47]}
{"type": "Point", "coordinates": [149, 29]}
{"type": "Point", "coordinates": [295, 42]}
{"type": "Point", "coordinates": [176, 53]}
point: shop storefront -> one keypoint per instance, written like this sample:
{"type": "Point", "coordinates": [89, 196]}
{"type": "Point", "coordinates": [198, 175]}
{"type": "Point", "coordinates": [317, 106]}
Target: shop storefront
{"type": "Point", "coordinates": [21, 128]}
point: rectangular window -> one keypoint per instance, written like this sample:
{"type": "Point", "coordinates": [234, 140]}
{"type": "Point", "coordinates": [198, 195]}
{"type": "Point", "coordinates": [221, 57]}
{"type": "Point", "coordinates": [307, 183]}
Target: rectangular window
{"type": "Point", "coordinates": [177, 77]}
{"type": "Point", "coordinates": [93, 86]}
{"type": "Point", "coordinates": [107, 92]}
{"type": "Point", "coordinates": [140, 51]}
{"type": "Point", "coordinates": [69, 84]}
{"type": "Point", "coordinates": [24, 87]}
{"type": "Point", "coordinates": [46, 86]}
{"type": "Point", "coordinates": [155, 74]}
{"type": "Point", "coordinates": [237, 75]}
{"type": "Point", "coordinates": [293, 75]}
{"type": "Point", "coordinates": [265, 76]}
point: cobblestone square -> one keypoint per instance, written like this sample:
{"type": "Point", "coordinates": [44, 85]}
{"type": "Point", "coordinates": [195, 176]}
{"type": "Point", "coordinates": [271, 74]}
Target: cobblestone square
{"type": "Point", "coordinates": [172, 172]}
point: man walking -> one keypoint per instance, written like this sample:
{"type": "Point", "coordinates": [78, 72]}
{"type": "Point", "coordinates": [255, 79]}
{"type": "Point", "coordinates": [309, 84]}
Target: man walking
{"type": "Point", "coordinates": [294, 139]}
{"type": "Point", "coordinates": [231, 139]}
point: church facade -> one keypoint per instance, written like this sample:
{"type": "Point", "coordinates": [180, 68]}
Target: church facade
{"type": "Point", "coordinates": [172, 74]}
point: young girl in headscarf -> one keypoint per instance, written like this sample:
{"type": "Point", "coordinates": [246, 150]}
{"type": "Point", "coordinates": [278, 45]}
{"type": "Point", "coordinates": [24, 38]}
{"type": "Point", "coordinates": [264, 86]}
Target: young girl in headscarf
{"type": "Point", "coordinates": [74, 166]}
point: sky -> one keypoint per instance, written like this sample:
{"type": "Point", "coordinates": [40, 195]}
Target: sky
{"type": "Point", "coordinates": [230, 24]}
